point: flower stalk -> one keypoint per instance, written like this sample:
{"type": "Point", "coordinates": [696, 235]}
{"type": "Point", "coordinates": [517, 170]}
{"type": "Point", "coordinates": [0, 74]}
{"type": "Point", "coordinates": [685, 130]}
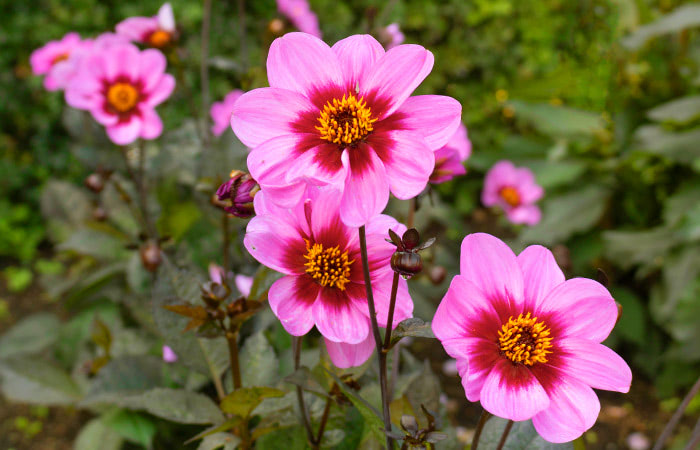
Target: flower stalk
{"type": "Point", "coordinates": [296, 344]}
{"type": "Point", "coordinates": [479, 428]}
{"type": "Point", "coordinates": [504, 436]}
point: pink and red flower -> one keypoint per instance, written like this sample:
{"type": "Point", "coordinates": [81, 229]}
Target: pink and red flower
{"type": "Point", "coordinates": [158, 31]}
{"type": "Point", "coordinates": [450, 158]}
{"type": "Point", "coordinates": [300, 15]}
{"type": "Point", "coordinates": [527, 341]}
{"type": "Point", "coordinates": [221, 112]}
{"type": "Point", "coordinates": [121, 86]}
{"type": "Point", "coordinates": [323, 284]}
{"type": "Point", "coordinates": [515, 190]}
{"type": "Point", "coordinates": [56, 61]}
{"type": "Point", "coordinates": [344, 116]}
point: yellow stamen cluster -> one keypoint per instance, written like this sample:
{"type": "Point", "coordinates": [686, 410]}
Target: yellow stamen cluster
{"type": "Point", "coordinates": [328, 266]}
{"type": "Point", "coordinates": [524, 340]}
{"type": "Point", "coordinates": [345, 121]}
{"type": "Point", "coordinates": [122, 97]}
{"type": "Point", "coordinates": [159, 38]}
{"type": "Point", "coordinates": [510, 195]}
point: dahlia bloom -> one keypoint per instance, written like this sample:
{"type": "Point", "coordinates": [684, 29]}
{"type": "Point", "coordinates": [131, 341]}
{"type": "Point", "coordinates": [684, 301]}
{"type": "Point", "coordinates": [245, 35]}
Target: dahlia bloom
{"type": "Point", "coordinates": [449, 159]}
{"type": "Point", "coordinates": [343, 116]}
{"type": "Point", "coordinates": [515, 190]}
{"type": "Point", "coordinates": [121, 86]}
{"type": "Point", "coordinates": [300, 15]}
{"type": "Point", "coordinates": [221, 112]}
{"type": "Point", "coordinates": [56, 62]}
{"type": "Point", "coordinates": [320, 258]}
{"type": "Point", "coordinates": [392, 35]}
{"type": "Point", "coordinates": [527, 341]}
{"type": "Point", "coordinates": [158, 31]}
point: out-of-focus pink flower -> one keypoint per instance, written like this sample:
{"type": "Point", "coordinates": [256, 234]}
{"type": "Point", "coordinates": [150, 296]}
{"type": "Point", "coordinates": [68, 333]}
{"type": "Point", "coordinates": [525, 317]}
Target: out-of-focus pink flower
{"type": "Point", "coordinates": [243, 282]}
{"type": "Point", "coordinates": [158, 31]}
{"type": "Point", "coordinates": [392, 36]}
{"type": "Point", "coordinates": [343, 116]}
{"type": "Point", "coordinates": [515, 191]}
{"type": "Point", "coordinates": [450, 158]}
{"type": "Point", "coordinates": [56, 60]}
{"type": "Point", "coordinates": [527, 341]}
{"type": "Point", "coordinates": [169, 355]}
{"type": "Point", "coordinates": [121, 86]}
{"type": "Point", "coordinates": [320, 258]}
{"type": "Point", "coordinates": [221, 112]}
{"type": "Point", "coordinates": [300, 15]}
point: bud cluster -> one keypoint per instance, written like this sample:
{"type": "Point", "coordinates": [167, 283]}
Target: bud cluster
{"type": "Point", "coordinates": [236, 195]}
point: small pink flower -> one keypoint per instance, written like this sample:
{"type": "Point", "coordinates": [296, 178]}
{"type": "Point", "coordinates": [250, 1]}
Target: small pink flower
{"type": "Point", "coordinates": [450, 158]}
{"type": "Point", "coordinates": [243, 283]}
{"type": "Point", "coordinates": [56, 60]}
{"type": "Point", "coordinates": [320, 258]}
{"type": "Point", "coordinates": [121, 86]}
{"type": "Point", "coordinates": [300, 15]}
{"type": "Point", "coordinates": [392, 36]}
{"type": "Point", "coordinates": [158, 31]}
{"type": "Point", "coordinates": [527, 341]}
{"type": "Point", "coordinates": [343, 116]}
{"type": "Point", "coordinates": [515, 191]}
{"type": "Point", "coordinates": [221, 112]}
{"type": "Point", "coordinates": [169, 355]}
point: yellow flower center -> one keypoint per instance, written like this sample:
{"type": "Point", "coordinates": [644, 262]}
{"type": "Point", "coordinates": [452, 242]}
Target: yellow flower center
{"type": "Point", "coordinates": [328, 266]}
{"type": "Point", "coordinates": [525, 340]}
{"type": "Point", "coordinates": [59, 58]}
{"type": "Point", "coordinates": [159, 38]}
{"type": "Point", "coordinates": [345, 121]}
{"type": "Point", "coordinates": [510, 195]}
{"type": "Point", "coordinates": [122, 97]}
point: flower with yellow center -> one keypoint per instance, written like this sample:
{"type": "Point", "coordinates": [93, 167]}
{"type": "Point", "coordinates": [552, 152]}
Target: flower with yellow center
{"type": "Point", "coordinates": [329, 267]}
{"type": "Point", "coordinates": [345, 121]}
{"type": "Point", "coordinates": [524, 340]}
{"type": "Point", "coordinates": [122, 97]}
{"type": "Point", "coordinates": [510, 195]}
{"type": "Point", "coordinates": [159, 38]}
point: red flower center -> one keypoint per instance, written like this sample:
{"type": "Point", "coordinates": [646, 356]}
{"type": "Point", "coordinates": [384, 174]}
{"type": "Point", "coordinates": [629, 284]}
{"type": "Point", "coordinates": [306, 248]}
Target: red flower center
{"type": "Point", "coordinates": [122, 97]}
{"type": "Point", "coordinates": [345, 121]}
{"type": "Point", "coordinates": [510, 195]}
{"type": "Point", "coordinates": [524, 340]}
{"type": "Point", "coordinates": [159, 38]}
{"type": "Point", "coordinates": [328, 266]}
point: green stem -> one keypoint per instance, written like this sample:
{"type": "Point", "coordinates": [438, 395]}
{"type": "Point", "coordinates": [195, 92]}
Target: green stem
{"type": "Point", "coordinates": [204, 67]}
{"type": "Point", "coordinates": [390, 317]}
{"type": "Point", "coordinates": [671, 425]}
{"type": "Point", "coordinates": [305, 420]}
{"type": "Point", "coordinates": [479, 428]}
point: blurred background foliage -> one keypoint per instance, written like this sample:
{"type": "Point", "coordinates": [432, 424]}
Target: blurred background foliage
{"type": "Point", "coordinates": [600, 98]}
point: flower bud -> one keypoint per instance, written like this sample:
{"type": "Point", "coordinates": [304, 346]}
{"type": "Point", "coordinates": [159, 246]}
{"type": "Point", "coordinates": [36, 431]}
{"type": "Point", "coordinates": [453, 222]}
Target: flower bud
{"type": "Point", "coordinates": [99, 214]}
{"type": "Point", "coordinates": [406, 263]}
{"type": "Point", "coordinates": [150, 255]}
{"type": "Point", "coordinates": [95, 182]}
{"type": "Point", "coordinates": [410, 239]}
{"type": "Point", "coordinates": [437, 274]}
{"type": "Point", "coordinates": [237, 194]}
{"type": "Point", "coordinates": [276, 26]}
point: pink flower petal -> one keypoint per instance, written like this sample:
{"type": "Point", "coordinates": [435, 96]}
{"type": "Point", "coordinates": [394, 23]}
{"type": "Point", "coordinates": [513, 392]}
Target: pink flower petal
{"type": "Point", "coordinates": [525, 214]}
{"type": "Point", "coordinates": [541, 274]}
{"type": "Point", "coordinates": [595, 365]}
{"type": "Point", "coordinates": [265, 113]}
{"type": "Point", "coordinates": [397, 74]}
{"type": "Point", "coordinates": [311, 166]}
{"type": "Point", "coordinates": [573, 409]}
{"type": "Point", "coordinates": [491, 265]}
{"type": "Point", "coordinates": [382, 295]}
{"type": "Point", "coordinates": [357, 55]}
{"type": "Point", "coordinates": [462, 312]}
{"type": "Point", "coordinates": [511, 391]}
{"type": "Point", "coordinates": [122, 61]}
{"type": "Point", "coordinates": [151, 68]}
{"type": "Point", "coordinates": [436, 117]}
{"type": "Point", "coordinates": [302, 63]}
{"type": "Point", "coordinates": [162, 90]}
{"type": "Point", "coordinates": [366, 190]}
{"type": "Point", "coordinates": [243, 284]}
{"type": "Point", "coordinates": [152, 125]}
{"type": "Point", "coordinates": [483, 356]}
{"type": "Point", "coordinates": [409, 164]}
{"type": "Point", "coordinates": [137, 28]}
{"type": "Point", "coordinates": [292, 299]}
{"type": "Point", "coordinates": [216, 273]}
{"type": "Point", "coordinates": [269, 162]}
{"type": "Point", "coordinates": [123, 133]}
{"type": "Point", "coordinates": [166, 18]}
{"type": "Point", "coordinates": [338, 319]}
{"type": "Point", "coordinates": [269, 240]}
{"type": "Point", "coordinates": [582, 307]}
{"type": "Point", "coordinates": [345, 355]}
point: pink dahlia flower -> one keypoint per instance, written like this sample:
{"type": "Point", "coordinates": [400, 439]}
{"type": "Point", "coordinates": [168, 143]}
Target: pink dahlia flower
{"type": "Point", "coordinates": [449, 159]}
{"type": "Point", "coordinates": [320, 258]}
{"type": "Point", "coordinates": [300, 15]}
{"type": "Point", "coordinates": [527, 341]}
{"type": "Point", "coordinates": [221, 112]}
{"type": "Point", "coordinates": [121, 86]}
{"type": "Point", "coordinates": [392, 36]}
{"type": "Point", "coordinates": [158, 31]}
{"type": "Point", "coordinates": [344, 116]}
{"type": "Point", "coordinates": [515, 190]}
{"type": "Point", "coordinates": [56, 60]}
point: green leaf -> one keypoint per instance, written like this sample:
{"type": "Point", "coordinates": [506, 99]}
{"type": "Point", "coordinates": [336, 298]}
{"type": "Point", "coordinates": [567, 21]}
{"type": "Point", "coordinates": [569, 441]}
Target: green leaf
{"type": "Point", "coordinates": [683, 17]}
{"type": "Point", "coordinates": [262, 281]}
{"type": "Point", "coordinates": [96, 434]}
{"type": "Point", "coordinates": [632, 324]}
{"type": "Point", "coordinates": [65, 207]}
{"type": "Point", "coordinates": [98, 244]}
{"type": "Point", "coordinates": [32, 380]}
{"type": "Point", "coordinates": [679, 111]}
{"type": "Point", "coordinates": [242, 402]}
{"type": "Point", "coordinates": [129, 374]}
{"type": "Point", "coordinates": [134, 427]}
{"type": "Point", "coordinates": [227, 441]}
{"type": "Point", "coordinates": [681, 146]}
{"type": "Point", "coordinates": [628, 248]}
{"type": "Point", "coordinates": [31, 335]}
{"type": "Point", "coordinates": [293, 438]}
{"type": "Point", "coordinates": [551, 174]}
{"type": "Point", "coordinates": [258, 361]}
{"type": "Point", "coordinates": [521, 437]}
{"type": "Point", "coordinates": [411, 327]}
{"type": "Point", "coordinates": [136, 275]}
{"type": "Point", "coordinates": [558, 121]}
{"type": "Point", "coordinates": [305, 379]}
{"type": "Point", "coordinates": [370, 415]}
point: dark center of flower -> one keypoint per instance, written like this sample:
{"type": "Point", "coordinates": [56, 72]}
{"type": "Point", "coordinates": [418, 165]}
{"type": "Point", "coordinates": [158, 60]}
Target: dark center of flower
{"type": "Point", "coordinates": [510, 195]}
{"type": "Point", "coordinates": [122, 97]}
{"type": "Point", "coordinates": [328, 266]}
{"type": "Point", "coordinates": [345, 121]}
{"type": "Point", "coordinates": [524, 340]}
{"type": "Point", "coordinates": [159, 38]}
{"type": "Point", "coordinates": [59, 58]}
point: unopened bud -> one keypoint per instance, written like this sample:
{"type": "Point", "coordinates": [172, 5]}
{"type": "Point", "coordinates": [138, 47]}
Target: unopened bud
{"type": "Point", "coordinates": [150, 255]}
{"type": "Point", "coordinates": [406, 263]}
{"type": "Point", "coordinates": [99, 214]}
{"type": "Point", "coordinates": [437, 274]}
{"type": "Point", "coordinates": [410, 239]}
{"type": "Point", "coordinates": [276, 26]}
{"type": "Point", "coordinates": [95, 182]}
{"type": "Point", "coordinates": [237, 194]}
